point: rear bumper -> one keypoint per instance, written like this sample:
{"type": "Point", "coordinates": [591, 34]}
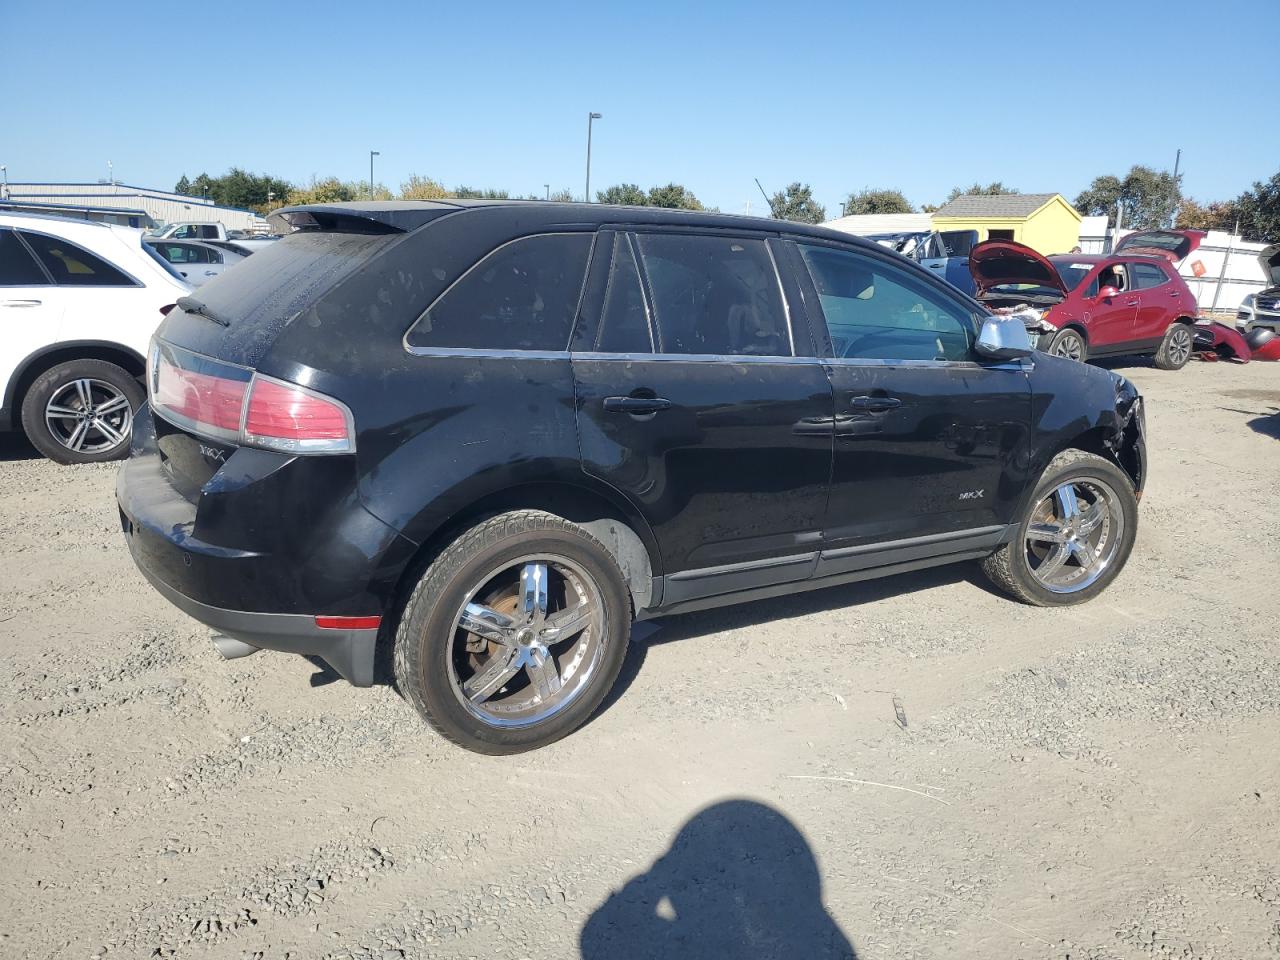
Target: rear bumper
{"type": "Point", "coordinates": [349, 652]}
{"type": "Point", "coordinates": [259, 554]}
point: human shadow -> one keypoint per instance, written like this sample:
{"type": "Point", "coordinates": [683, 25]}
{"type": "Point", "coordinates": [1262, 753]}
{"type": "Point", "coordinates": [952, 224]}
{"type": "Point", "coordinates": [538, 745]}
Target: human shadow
{"type": "Point", "coordinates": [1267, 424]}
{"type": "Point", "coordinates": [739, 881]}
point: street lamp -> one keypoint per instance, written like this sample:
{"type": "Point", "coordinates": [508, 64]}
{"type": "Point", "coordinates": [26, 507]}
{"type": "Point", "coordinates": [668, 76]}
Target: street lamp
{"type": "Point", "coordinates": [372, 154]}
{"type": "Point", "coordinates": [4, 191]}
{"type": "Point", "coordinates": [590, 118]}
{"type": "Point", "coordinates": [547, 187]}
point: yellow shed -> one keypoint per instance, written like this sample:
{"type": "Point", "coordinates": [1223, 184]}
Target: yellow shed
{"type": "Point", "coordinates": [1043, 221]}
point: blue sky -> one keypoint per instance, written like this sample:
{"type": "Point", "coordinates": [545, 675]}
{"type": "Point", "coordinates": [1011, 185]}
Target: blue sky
{"type": "Point", "coordinates": [921, 97]}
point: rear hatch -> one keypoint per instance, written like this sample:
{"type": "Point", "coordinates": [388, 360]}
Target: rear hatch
{"type": "Point", "coordinates": [1005, 270]}
{"type": "Point", "coordinates": [1174, 245]}
{"type": "Point", "coordinates": [1269, 259]}
{"type": "Point", "coordinates": [203, 370]}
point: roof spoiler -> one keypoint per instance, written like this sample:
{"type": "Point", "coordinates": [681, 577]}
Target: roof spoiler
{"type": "Point", "coordinates": [375, 217]}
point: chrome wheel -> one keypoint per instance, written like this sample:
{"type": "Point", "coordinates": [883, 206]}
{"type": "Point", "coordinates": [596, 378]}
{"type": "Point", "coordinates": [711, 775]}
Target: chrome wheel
{"type": "Point", "coordinates": [1074, 534]}
{"type": "Point", "coordinates": [1069, 345]}
{"type": "Point", "coordinates": [527, 640]}
{"type": "Point", "coordinates": [1179, 345]}
{"type": "Point", "coordinates": [88, 416]}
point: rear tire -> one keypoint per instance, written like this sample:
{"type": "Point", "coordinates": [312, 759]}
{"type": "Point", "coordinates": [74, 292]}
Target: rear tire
{"type": "Point", "coordinates": [1058, 558]}
{"type": "Point", "coordinates": [514, 634]}
{"type": "Point", "coordinates": [81, 411]}
{"type": "Point", "coordinates": [1175, 349]}
{"type": "Point", "coordinates": [1069, 343]}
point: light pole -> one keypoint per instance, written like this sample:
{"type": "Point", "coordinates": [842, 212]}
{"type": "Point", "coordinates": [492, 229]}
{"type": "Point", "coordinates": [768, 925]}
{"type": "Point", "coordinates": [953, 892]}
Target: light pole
{"type": "Point", "coordinates": [111, 174]}
{"type": "Point", "coordinates": [4, 191]}
{"type": "Point", "coordinates": [372, 154]}
{"type": "Point", "coordinates": [547, 187]}
{"type": "Point", "coordinates": [591, 117]}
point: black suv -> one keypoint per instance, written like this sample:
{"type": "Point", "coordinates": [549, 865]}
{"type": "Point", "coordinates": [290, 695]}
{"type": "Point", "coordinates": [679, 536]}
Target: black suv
{"type": "Point", "coordinates": [490, 434]}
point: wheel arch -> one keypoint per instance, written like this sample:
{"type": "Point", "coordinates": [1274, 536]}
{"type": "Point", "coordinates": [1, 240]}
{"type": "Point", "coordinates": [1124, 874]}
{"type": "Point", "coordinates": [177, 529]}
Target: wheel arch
{"type": "Point", "coordinates": [620, 529]}
{"type": "Point", "coordinates": [49, 356]}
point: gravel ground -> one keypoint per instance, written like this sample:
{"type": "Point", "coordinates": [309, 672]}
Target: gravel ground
{"type": "Point", "coordinates": [910, 768]}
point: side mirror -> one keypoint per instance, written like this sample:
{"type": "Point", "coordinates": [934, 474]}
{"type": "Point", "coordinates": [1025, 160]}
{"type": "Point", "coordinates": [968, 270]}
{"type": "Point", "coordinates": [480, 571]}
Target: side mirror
{"type": "Point", "coordinates": [1004, 338]}
{"type": "Point", "coordinates": [1106, 293]}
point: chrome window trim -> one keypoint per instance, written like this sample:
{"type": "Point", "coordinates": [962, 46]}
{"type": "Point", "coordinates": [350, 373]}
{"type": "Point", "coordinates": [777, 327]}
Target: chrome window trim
{"type": "Point", "coordinates": [732, 358]}
{"type": "Point", "coordinates": [480, 351]}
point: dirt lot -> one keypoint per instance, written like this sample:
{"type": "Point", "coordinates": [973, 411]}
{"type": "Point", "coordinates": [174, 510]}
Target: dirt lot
{"type": "Point", "coordinates": [910, 768]}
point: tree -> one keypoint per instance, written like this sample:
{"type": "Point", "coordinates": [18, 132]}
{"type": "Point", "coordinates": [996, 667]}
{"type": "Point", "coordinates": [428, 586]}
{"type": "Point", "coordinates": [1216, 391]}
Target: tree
{"type": "Point", "coordinates": [237, 188]}
{"type": "Point", "coordinates": [876, 201]}
{"type": "Point", "coordinates": [797, 203]}
{"type": "Point", "coordinates": [1260, 211]}
{"type": "Point", "coordinates": [471, 193]}
{"type": "Point", "coordinates": [328, 190]}
{"type": "Point", "coordinates": [628, 194]}
{"type": "Point", "coordinates": [1218, 215]}
{"type": "Point", "coordinates": [183, 186]}
{"type": "Point", "coordinates": [562, 196]}
{"type": "Point", "coordinates": [202, 186]}
{"type": "Point", "coordinates": [422, 188]}
{"type": "Point", "coordinates": [673, 196]}
{"type": "Point", "coordinates": [993, 189]}
{"type": "Point", "coordinates": [1146, 198]}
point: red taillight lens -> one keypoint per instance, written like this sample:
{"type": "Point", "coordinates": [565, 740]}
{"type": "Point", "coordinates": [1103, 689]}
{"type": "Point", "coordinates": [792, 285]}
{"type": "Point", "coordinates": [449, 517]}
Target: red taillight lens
{"type": "Point", "coordinates": [164, 311]}
{"type": "Point", "coordinates": [232, 403]}
{"type": "Point", "coordinates": [348, 623]}
{"type": "Point", "coordinates": [287, 417]}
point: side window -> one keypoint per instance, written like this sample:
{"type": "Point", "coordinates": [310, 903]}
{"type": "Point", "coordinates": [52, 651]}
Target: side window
{"type": "Point", "coordinates": [624, 322]}
{"type": "Point", "coordinates": [715, 295]}
{"type": "Point", "coordinates": [184, 233]}
{"type": "Point", "coordinates": [209, 231]}
{"type": "Point", "coordinates": [878, 311]}
{"type": "Point", "coordinates": [1114, 276]}
{"type": "Point", "coordinates": [1148, 275]}
{"type": "Point", "coordinates": [522, 296]}
{"type": "Point", "coordinates": [17, 267]}
{"type": "Point", "coordinates": [73, 266]}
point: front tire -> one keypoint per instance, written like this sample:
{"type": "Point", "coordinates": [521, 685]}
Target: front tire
{"type": "Point", "coordinates": [1076, 536]}
{"type": "Point", "coordinates": [81, 411]}
{"type": "Point", "coordinates": [514, 634]}
{"type": "Point", "coordinates": [1069, 343]}
{"type": "Point", "coordinates": [1175, 349]}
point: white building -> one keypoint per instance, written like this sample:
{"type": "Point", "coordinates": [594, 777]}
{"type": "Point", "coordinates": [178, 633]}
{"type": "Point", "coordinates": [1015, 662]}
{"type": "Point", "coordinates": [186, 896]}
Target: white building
{"type": "Point", "coordinates": [160, 206]}
{"type": "Point", "coordinates": [870, 224]}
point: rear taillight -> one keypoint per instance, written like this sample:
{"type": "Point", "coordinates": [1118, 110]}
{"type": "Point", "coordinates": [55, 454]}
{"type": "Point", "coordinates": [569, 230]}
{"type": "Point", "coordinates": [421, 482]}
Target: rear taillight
{"type": "Point", "coordinates": [228, 402]}
{"type": "Point", "coordinates": [164, 311]}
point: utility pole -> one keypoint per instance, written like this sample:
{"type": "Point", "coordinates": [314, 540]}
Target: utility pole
{"type": "Point", "coordinates": [590, 118]}
{"type": "Point", "coordinates": [372, 154]}
{"type": "Point", "coordinates": [765, 195]}
{"type": "Point", "coordinates": [1225, 257]}
{"type": "Point", "coordinates": [547, 187]}
{"type": "Point", "coordinates": [1177, 162]}
{"type": "Point", "coordinates": [111, 174]}
{"type": "Point", "coordinates": [4, 190]}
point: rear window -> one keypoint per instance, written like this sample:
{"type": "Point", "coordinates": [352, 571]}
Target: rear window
{"type": "Point", "coordinates": [73, 266]}
{"type": "Point", "coordinates": [17, 267]}
{"type": "Point", "coordinates": [1147, 275]}
{"type": "Point", "coordinates": [522, 296]}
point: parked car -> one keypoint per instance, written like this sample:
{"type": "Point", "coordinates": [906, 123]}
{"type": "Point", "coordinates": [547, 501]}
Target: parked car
{"type": "Point", "coordinates": [233, 246]}
{"type": "Point", "coordinates": [79, 301]}
{"type": "Point", "coordinates": [945, 252]}
{"type": "Point", "coordinates": [1083, 306]}
{"type": "Point", "coordinates": [197, 262]}
{"type": "Point", "coordinates": [488, 435]}
{"type": "Point", "coordinates": [1261, 310]}
{"type": "Point", "coordinates": [190, 230]}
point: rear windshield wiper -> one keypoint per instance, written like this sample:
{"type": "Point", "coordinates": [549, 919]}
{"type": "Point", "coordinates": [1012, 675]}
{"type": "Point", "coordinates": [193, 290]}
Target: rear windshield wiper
{"type": "Point", "coordinates": [191, 305]}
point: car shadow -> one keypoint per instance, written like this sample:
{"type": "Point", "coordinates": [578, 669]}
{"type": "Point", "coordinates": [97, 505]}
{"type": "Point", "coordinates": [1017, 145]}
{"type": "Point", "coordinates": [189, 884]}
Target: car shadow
{"type": "Point", "coordinates": [1124, 363]}
{"type": "Point", "coordinates": [15, 446]}
{"type": "Point", "coordinates": [687, 626]}
{"type": "Point", "coordinates": [739, 880]}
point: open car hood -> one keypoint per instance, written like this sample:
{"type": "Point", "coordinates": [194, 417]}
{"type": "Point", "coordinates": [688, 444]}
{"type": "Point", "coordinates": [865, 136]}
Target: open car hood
{"type": "Point", "coordinates": [999, 262]}
{"type": "Point", "coordinates": [1173, 245]}
{"type": "Point", "coordinates": [1270, 260]}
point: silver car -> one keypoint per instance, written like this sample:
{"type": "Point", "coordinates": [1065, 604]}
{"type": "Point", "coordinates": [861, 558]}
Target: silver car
{"type": "Point", "coordinates": [197, 262]}
{"type": "Point", "coordinates": [1262, 309]}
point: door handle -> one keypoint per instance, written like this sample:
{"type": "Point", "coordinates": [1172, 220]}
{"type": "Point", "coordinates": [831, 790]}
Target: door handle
{"type": "Point", "coordinates": [635, 405]}
{"type": "Point", "coordinates": [874, 404]}
{"type": "Point", "coordinates": [1131, 303]}
{"type": "Point", "coordinates": [19, 303]}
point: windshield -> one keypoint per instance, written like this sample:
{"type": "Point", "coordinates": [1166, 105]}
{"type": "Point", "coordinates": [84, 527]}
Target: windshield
{"type": "Point", "coordinates": [169, 268]}
{"type": "Point", "coordinates": [1072, 273]}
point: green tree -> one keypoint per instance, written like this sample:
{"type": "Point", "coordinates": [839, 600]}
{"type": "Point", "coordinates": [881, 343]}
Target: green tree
{"type": "Point", "coordinates": [1260, 211]}
{"type": "Point", "coordinates": [797, 203]}
{"type": "Point", "coordinates": [422, 188]}
{"type": "Point", "coordinates": [562, 196]}
{"type": "Point", "coordinates": [183, 186]}
{"type": "Point", "coordinates": [202, 186]}
{"type": "Point", "coordinates": [627, 194]}
{"type": "Point", "coordinates": [1146, 198]}
{"type": "Point", "coordinates": [876, 201]}
{"type": "Point", "coordinates": [1218, 215]}
{"type": "Point", "coordinates": [472, 193]}
{"type": "Point", "coordinates": [673, 196]}
{"type": "Point", "coordinates": [328, 190]}
{"type": "Point", "coordinates": [993, 189]}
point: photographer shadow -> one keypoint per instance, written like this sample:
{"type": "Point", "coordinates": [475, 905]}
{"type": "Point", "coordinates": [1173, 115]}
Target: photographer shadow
{"type": "Point", "coordinates": [739, 881]}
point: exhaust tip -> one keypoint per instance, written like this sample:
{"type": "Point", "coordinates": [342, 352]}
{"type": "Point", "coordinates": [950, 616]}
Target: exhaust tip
{"type": "Point", "coordinates": [231, 648]}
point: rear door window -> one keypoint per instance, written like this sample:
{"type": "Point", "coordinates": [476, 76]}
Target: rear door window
{"type": "Point", "coordinates": [522, 296]}
{"type": "Point", "coordinates": [624, 322]}
{"type": "Point", "coordinates": [876, 310]}
{"type": "Point", "coordinates": [1147, 275]}
{"type": "Point", "coordinates": [73, 266]}
{"type": "Point", "coordinates": [715, 295]}
{"type": "Point", "coordinates": [17, 267]}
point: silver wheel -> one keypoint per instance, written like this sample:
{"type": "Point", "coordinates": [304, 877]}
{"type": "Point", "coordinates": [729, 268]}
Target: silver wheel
{"type": "Point", "coordinates": [1069, 345]}
{"type": "Point", "coordinates": [527, 641]}
{"type": "Point", "coordinates": [88, 416]}
{"type": "Point", "coordinates": [1074, 535]}
{"type": "Point", "coordinates": [1179, 345]}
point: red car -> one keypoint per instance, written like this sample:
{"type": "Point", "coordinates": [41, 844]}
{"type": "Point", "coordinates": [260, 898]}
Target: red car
{"type": "Point", "coordinates": [1131, 301]}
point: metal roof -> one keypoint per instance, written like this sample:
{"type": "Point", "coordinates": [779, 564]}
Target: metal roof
{"type": "Point", "coordinates": [994, 205]}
